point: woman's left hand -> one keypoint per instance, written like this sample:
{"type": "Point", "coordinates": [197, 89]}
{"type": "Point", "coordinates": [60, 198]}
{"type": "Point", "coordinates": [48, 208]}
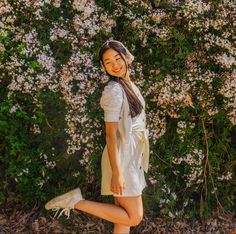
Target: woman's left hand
{"type": "Point", "coordinates": [117, 184]}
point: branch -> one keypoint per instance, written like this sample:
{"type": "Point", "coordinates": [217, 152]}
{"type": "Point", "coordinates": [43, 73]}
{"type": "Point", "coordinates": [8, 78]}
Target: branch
{"type": "Point", "coordinates": [50, 126]}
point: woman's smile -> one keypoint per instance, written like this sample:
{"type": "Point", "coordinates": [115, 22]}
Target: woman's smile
{"type": "Point", "coordinates": [117, 70]}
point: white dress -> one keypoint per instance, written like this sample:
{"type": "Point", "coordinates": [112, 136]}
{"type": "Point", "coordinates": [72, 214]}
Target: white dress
{"type": "Point", "coordinates": [133, 172]}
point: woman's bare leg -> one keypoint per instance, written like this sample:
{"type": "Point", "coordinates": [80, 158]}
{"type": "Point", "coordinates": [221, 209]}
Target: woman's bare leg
{"type": "Point", "coordinates": [119, 228]}
{"type": "Point", "coordinates": [129, 213]}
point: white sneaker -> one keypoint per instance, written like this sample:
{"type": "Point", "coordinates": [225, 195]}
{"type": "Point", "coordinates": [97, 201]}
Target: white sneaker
{"type": "Point", "coordinates": [65, 201]}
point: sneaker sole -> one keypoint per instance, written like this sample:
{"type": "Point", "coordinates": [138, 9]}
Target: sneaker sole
{"type": "Point", "coordinates": [49, 204]}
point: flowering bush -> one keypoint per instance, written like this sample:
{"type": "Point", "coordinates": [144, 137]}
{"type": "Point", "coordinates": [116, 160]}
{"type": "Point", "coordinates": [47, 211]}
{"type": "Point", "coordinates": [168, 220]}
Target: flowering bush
{"type": "Point", "coordinates": [51, 123]}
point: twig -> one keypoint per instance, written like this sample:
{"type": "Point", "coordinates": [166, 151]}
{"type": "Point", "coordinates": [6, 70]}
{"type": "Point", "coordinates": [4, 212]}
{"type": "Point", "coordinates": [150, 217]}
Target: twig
{"type": "Point", "coordinates": [163, 160]}
{"type": "Point", "coordinates": [50, 126]}
{"type": "Point", "coordinates": [205, 168]}
{"type": "Point", "coordinates": [218, 202]}
{"type": "Point", "coordinates": [207, 154]}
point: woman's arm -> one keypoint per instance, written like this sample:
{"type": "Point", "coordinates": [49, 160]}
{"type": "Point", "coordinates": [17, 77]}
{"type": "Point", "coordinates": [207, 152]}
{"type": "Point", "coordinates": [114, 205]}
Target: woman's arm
{"type": "Point", "coordinates": [112, 146]}
{"type": "Point", "coordinates": [117, 179]}
{"type": "Point", "coordinates": [111, 101]}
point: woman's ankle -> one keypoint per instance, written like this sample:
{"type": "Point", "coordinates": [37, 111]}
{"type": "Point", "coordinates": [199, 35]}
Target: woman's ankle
{"type": "Point", "coordinates": [79, 204]}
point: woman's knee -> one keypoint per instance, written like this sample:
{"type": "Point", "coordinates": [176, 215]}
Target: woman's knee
{"type": "Point", "coordinates": [136, 219]}
{"type": "Point", "coordinates": [134, 208]}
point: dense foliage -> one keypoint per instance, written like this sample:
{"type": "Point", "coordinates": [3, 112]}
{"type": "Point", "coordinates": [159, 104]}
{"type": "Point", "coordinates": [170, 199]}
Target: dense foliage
{"type": "Point", "coordinates": [51, 124]}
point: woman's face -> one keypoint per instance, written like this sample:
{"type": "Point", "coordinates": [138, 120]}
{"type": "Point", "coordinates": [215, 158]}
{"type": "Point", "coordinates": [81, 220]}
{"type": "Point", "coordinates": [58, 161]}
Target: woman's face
{"type": "Point", "coordinates": [113, 63]}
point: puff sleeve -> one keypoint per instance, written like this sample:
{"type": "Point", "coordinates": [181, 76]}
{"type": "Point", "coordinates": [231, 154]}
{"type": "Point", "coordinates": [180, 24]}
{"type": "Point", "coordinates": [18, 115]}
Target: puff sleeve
{"type": "Point", "coordinates": [111, 102]}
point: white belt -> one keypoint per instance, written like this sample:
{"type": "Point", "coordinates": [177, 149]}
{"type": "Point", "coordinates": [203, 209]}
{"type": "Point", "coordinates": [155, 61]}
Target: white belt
{"type": "Point", "coordinates": [145, 141]}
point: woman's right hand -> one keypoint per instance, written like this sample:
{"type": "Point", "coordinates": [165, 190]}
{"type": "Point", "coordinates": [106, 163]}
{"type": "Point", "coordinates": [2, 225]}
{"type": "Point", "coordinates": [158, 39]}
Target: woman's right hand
{"type": "Point", "coordinates": [117, 183]}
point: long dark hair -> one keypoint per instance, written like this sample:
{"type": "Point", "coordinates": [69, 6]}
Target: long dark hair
{"type": "Point", "coordinates": [135, 105]}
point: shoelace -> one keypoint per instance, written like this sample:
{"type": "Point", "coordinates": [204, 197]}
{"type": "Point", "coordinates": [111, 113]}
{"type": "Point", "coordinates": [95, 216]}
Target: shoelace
{"type": "Point", "coordinates": [66, 211]}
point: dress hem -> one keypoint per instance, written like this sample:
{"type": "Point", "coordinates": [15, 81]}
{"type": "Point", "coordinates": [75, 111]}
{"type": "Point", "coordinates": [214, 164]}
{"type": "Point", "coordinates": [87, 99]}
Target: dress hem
{"type": "Point", "coordinates": [114, 195]}
{"type": "Point", "coordinates": [132, 195]}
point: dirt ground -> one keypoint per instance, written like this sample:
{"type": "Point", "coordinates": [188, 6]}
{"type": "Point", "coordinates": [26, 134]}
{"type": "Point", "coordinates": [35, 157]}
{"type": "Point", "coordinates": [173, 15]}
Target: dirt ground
{"type": "Point", "coordinates": [80, 222]}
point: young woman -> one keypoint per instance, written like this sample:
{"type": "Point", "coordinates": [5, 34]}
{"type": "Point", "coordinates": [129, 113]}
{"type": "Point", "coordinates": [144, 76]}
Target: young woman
{"type": "Point", "coordinates": [126, 154]}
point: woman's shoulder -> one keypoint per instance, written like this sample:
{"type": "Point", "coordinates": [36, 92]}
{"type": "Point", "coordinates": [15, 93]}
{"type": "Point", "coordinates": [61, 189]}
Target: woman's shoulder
{"type": "Point", "coordinates": [112, 97]}
{"type": "Point", "coordinates": [113, 87]}
{"type": "Point", "coordinates": [113, 83]}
